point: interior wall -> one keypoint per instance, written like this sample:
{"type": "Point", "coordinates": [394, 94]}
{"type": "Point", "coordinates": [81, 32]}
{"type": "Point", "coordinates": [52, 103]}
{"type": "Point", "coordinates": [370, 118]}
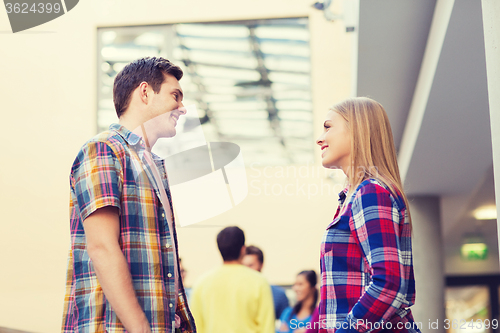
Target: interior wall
{"type": "Point", "coordinates": [48, 107]}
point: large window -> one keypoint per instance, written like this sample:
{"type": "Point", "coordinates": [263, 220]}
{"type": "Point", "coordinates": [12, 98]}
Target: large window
{"type": "Point", "coordinates": [249, 81]}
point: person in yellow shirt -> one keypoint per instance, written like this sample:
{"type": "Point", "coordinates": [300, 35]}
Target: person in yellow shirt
{"type": "Point", "coordinates": [232, 298]}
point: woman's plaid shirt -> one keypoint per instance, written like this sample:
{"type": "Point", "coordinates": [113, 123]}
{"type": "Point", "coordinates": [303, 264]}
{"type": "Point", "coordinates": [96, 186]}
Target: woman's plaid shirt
{"type": "Point", "coordinates": [105, 174]}
{"type": "Point", "coordinates": [367, 281]}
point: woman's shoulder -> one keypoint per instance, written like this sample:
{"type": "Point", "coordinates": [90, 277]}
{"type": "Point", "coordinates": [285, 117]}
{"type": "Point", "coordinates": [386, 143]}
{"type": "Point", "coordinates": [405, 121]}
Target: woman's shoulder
{"type": "Point", "coordinates": [375, 190]}
{"type": "Point", "coordinates": [372, 184]}
{"type": "Point", "coordinates": [286, 314]}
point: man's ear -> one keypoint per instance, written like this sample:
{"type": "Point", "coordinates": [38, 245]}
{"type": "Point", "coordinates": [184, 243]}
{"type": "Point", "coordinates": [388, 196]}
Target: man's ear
{"type": "Point", "coordinates": [243, 252]}
{"type": "Point", "coordinates": [144, 91]}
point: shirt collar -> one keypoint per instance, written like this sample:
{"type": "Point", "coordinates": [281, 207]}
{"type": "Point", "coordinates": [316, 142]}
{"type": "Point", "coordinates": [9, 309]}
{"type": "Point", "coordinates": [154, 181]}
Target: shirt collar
{"type": "Point", "coordinates": [131, 138]}
{"type": "Point", "coordinates": [343, 195]}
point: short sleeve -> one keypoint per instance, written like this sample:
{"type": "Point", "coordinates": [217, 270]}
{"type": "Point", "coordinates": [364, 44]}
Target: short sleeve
{"type": "Point", "coordinates": [96, 178]}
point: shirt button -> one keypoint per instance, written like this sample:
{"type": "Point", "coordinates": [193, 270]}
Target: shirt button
{"type": "Point", "coordinates": [171, 305]}
{"type": "Point", "coordinates": [167, 246]}
{"type": "Point", "coordinates": [162, 214]}
{"type": "Point", "coordinates": [169, 275]}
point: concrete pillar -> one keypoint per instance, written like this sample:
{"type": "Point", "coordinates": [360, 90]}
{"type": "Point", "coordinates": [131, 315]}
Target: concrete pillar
{"type": "Point", "coordinates": [491, 26]}
{"type": "Point", "coordinates": [428, 262]}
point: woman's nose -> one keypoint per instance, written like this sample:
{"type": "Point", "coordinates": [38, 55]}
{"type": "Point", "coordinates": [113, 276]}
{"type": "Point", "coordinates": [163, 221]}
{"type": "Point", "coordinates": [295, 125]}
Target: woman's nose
{"type": "Point", "coordinates": [320, 140]}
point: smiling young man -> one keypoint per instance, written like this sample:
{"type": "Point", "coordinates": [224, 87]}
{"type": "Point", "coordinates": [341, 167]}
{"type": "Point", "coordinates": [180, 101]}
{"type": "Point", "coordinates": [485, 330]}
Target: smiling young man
{"type": "Point", "coordinates": [123, 272]}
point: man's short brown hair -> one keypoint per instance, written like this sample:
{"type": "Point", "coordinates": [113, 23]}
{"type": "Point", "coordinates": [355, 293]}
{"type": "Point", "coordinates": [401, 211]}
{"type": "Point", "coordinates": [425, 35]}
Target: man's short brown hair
{"type": "Point", "coordinates": [150, 70]}
{"type": "Point", "coordinates": [255, 251]}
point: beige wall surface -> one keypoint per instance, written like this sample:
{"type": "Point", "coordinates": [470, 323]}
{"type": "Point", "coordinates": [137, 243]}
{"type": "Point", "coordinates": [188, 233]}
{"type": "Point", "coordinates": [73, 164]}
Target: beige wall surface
{"type": "Point", "coordinates": [48, 109]}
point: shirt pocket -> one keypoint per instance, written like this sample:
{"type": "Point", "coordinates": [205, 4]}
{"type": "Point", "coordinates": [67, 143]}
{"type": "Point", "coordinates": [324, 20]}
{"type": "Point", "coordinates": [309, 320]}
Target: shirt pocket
{"type": "Point", "coordinates": [337, 235]}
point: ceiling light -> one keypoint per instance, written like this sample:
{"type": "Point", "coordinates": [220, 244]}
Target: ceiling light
{"type": "Point", "coordinates": [486, 213]}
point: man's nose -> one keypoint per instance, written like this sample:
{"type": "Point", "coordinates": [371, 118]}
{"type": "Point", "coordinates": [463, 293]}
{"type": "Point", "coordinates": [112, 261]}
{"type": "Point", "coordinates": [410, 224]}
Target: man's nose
{"type": "Point", "coordinates": [182, 109]}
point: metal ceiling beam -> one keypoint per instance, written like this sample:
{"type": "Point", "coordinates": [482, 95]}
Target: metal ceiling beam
{"type": "Point", "coordinates": [437, 34]}
{"type": "Point", "coordinates": [274, 119]}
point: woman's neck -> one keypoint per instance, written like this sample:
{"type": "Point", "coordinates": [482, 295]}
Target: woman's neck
{"type": "Point", "coordinates": [305, 308]}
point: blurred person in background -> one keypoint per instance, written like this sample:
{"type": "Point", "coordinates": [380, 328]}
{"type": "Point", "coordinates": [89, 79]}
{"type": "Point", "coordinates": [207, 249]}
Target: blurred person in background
{"type": "Point", "coordinates": [183, 272]}
{"type": "Point", "coordinates": [254, 259]}
{"type": "Point", "coordinates": [367, 281]}
{"type": "Point", "coordinates": [297, 319]}
{"type": "Point", "coordinates": [232, 298]}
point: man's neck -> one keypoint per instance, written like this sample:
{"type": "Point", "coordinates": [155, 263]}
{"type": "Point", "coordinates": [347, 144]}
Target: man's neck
{"type": "Point", "coordinates": [141, 130]}
{"type": "Point", "coordinates": [232, 262]}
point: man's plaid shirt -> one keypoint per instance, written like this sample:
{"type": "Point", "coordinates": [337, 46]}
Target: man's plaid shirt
{"type": "Point", "coordinates": [105, 174]}
{"type": "Point", "coordinates": [367, 280]}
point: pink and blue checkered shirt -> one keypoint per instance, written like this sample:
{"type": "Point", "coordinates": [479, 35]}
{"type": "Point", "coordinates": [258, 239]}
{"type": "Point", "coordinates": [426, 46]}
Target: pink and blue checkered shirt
{"type": "Point", "coordinates": [367, 282]}
{"type": "Point", "coordinates": [105, 173]}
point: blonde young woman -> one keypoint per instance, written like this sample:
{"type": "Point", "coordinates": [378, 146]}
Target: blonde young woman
{"type": "Point", "coordinates": [367, 282]}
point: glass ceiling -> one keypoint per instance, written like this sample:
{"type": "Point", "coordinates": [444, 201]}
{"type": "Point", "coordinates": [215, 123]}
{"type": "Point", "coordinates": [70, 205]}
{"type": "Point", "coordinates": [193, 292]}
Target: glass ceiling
{"type": "Point", "coordinates": [248, 81]}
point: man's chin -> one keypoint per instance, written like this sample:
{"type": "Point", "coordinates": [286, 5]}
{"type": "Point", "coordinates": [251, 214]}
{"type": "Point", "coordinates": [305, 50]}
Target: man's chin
{"type": "Point", "coordinates": [169, 134]}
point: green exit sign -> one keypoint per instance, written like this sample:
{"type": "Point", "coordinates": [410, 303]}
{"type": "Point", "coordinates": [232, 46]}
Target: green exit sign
{"type": "Point", "coordinates": [474, 251]}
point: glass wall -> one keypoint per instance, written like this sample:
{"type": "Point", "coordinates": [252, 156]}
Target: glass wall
{"type": "Point", "coordinates": [247, 82]}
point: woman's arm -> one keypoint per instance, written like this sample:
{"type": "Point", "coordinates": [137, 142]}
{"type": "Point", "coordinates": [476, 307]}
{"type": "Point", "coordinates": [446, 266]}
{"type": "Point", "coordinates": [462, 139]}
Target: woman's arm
{"type": "Point", "coordinates": [286, 315]}
{"type": "Point", "coordinates": [376, 226]}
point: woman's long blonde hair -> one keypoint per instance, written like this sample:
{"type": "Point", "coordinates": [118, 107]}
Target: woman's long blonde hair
{"type": "Point", "coordinates": [373, 154]}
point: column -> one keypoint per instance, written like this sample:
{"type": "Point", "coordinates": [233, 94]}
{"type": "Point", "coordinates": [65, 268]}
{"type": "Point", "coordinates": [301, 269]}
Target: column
{"type": "Point", "coordinates": [428, 262]}
{"type": "Point", "coordinates": [491, 26]}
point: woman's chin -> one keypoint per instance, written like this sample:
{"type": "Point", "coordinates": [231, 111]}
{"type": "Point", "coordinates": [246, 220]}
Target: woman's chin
{"type": "Point", "coordinates": [329, 165]}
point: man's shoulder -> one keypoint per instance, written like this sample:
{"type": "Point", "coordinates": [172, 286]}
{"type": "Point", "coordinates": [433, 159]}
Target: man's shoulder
{"type": "Point", "coordinates": [110, 138]}
{"type": "Point", "coordinates": [253, 276]}
{"type": "Point", "coordinates": [237, 272]}
{"type": "Point", "coordinates": [107, 143]}
{"type": "Point", "coordinates": [251, 272]}
{"type": "Point", "coordinates": [279, 295]}
{"type": "Point", "coordinates": [278, 290]}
